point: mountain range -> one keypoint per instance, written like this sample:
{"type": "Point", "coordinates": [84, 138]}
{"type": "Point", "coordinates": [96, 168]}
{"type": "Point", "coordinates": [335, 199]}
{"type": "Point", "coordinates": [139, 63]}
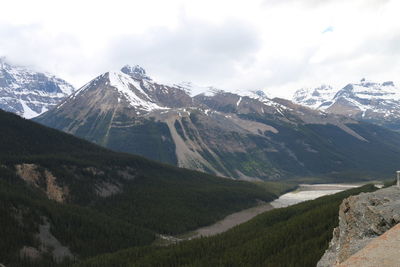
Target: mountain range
{"type": "Point", "coordinates": [65, 201]}
{"type": "Point", "coordinates": [29, 93]}
{"type": "Point", "coordinates": [367, 101]}
{"type": "Point", "coordinates": [240, 135]}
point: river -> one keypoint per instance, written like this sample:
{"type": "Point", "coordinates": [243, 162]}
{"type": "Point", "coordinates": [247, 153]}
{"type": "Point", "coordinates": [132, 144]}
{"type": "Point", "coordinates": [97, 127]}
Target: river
{"type": "Point", "coordinates": [303, 193]}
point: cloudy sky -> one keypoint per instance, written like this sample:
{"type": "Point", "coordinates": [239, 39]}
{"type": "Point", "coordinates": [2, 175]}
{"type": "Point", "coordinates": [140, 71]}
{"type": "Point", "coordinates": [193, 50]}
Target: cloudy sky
{"type": "Point", "coordinates": [276, 45]}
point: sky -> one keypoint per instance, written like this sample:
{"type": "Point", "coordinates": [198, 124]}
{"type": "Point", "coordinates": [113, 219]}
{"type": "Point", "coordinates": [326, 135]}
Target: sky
{"type": "Point", "coordinates": [277, 46]}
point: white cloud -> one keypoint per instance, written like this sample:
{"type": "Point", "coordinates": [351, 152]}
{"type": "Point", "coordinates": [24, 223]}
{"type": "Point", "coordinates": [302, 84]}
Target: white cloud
{"type": "Point", "coordinates": [195, 51]}
{"type": "Point", "coordinates": [277, 45]}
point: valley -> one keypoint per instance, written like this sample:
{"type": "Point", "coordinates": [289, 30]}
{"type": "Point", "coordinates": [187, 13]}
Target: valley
{"type": "Point", "coordinates": [130, 171]}
{"type": "Point", "coordinates": [304, 192]}
{"type": "Point", "coordinates": [302, 231]}
{"type": "Point", "coordinates": [98, 201]}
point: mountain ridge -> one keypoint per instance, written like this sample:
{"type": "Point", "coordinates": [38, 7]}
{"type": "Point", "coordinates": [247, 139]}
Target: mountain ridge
{"type": "Point", "coordinates": [248, 136]}
{"type": "Point", "coordinates": [367, 101]}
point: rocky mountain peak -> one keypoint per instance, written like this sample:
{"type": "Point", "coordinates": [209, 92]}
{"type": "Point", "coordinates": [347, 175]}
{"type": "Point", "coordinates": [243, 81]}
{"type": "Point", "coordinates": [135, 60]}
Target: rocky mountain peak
{"type": "Point", "coordinates": [136, 72]}
{"type": "Point", "coordinates": [139, 95]}
{"type": "Point", "coordinates": [314, 97]}
{"type": "Point", "coordinates": [29, 93]}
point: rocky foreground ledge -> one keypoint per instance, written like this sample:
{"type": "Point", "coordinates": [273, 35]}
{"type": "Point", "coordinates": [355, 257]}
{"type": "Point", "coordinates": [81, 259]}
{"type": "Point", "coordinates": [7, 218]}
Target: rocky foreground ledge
{"type": "Point", "coordinates": [362, 219]}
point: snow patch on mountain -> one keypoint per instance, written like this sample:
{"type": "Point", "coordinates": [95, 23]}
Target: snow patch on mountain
{"type": "Point", "coordinates": [127, 86]}
{"type": "Point", "coordinates": [28, 112]}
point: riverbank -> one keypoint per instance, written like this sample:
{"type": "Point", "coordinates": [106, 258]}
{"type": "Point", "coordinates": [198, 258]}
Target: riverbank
{"type": "Point", "coordinates": [303, 193]}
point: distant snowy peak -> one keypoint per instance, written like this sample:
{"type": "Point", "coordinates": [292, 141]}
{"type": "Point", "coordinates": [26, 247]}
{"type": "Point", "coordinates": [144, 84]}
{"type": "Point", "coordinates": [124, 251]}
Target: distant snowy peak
{"type": "Point", "coordinates": [29, 93]}
{"type": "Point", "coordinates": [314, 97]}
{"type": "Point", "coordinates": [366, 100]}
{"type": "Point", "coordinates": [370, 90]}
{"type": "Point", "coordinates": [20, 77]}
{"type": "Point", "coordinates": [324, 96]}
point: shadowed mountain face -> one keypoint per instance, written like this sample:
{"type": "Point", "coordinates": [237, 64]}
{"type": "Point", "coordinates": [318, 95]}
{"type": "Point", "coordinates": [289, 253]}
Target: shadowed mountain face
{"type": "Point", "coordinates": [29, 93]}
{"type": "Point", "coordinates": [247, 136]}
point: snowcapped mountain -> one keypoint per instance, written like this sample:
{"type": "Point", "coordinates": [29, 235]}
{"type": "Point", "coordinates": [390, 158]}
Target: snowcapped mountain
{"type": "Point", "coordinates": [244, 135]}
{"type": "Point", "coordinates": [29, 93]}
{"type": "Point", "coordinates": [314, 97]}
{"type": "Point", "coordinates": [366, 100]}
{"type": "Point", "coordinates": [130, 88]}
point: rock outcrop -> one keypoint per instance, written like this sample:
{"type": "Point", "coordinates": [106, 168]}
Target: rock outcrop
{"type": "Point", "coordinates": [383, 251]}
{"type": "Point", "coordinates": [44, 180]}
{"type": "Point", "coordinates": [362, 218]}
{"type": "Point", "coordinates": [49, 245]}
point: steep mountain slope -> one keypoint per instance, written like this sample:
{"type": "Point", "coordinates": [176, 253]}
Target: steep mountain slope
{"type": "Point", "coordinates": [368, 101]}
{"type": "Point", "coordinates": [243, 136]}
{"type": "Point", "coordinates": [29, 93]}
{"type": "Point", "coordinates": [95, 200]}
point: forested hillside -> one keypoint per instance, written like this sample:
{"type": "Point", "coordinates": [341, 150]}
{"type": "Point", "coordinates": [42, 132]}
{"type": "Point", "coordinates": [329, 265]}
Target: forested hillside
{"type": "Point", "coordinates": [96, 200]}
{"type": "Point", "coordinates": [293, 236]}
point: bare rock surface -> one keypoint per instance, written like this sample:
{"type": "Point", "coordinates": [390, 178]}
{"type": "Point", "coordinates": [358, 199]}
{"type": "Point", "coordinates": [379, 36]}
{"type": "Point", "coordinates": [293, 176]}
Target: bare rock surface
{"type": "Point", "coordinates": [106, 189]}
{"type": "Point", "coordinates": [382, 251]}
{"type": "Point", "coordinates": [44, 180]}
{"type": "Point", "coordinates": [50, 243]}
{"type": "Point", "coordinates": [362, 218]}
